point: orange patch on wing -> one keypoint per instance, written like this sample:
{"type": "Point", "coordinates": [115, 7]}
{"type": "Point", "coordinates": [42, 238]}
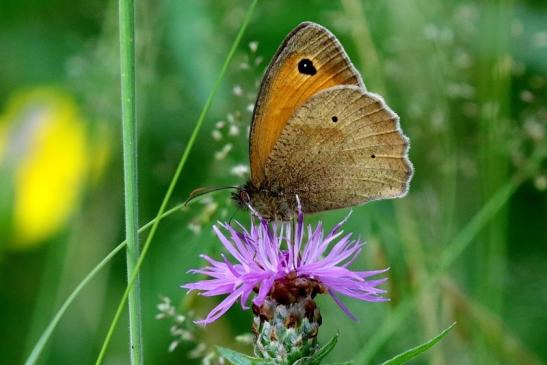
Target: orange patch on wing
{"type": "Point", "coordinates": [287, 91]}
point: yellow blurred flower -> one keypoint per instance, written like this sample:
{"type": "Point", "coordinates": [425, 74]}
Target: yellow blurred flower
{"type": "Point", "coordinates": [45, 152]}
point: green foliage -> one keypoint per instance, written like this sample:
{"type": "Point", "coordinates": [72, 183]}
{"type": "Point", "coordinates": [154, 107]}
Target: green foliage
{"type": "Point", "coordinates": [410, 354]}
{"type": "Point", "coordinates": [240, 359]}
{"type": "Point", "coordinates": [320, 354]}
{"type": "Point", "coordinates": [237, 358]}
{"type": "Point", "coordinates": [468, 80]}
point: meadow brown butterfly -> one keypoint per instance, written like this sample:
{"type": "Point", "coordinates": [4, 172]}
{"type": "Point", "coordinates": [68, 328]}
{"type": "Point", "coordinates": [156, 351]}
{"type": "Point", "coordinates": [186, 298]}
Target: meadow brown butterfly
{"type": "Point", "coordinates": [316, 133]}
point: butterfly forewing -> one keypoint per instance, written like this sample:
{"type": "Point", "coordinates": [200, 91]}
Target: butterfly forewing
{"type": "Point", "coordinates": [343, 147]}
{"type": "Point", "coordinates": [310, 60]}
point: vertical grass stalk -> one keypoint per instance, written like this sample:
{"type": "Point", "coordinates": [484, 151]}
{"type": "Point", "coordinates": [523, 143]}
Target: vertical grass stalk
{"type": "Point", "coordinates": [175, 179]}
{"type": "Point", "coordinates": [129, 134]}
{"type": "Point", "coordinates": [494, 93]}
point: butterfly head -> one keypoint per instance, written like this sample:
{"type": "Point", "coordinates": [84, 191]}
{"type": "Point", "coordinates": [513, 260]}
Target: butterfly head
{"type": "Point", "coordinates": [267, 202]}
{"type": "Point", "coordinates": [241, 196]}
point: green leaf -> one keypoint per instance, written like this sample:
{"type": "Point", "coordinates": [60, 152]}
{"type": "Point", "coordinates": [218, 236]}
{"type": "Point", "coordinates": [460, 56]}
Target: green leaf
{"type": "Point", "coordinates": [319, 354]}
{"type": "Point", "coordinates": [238, 358]}
{"type": "Point", "coordinates": [415, 351]}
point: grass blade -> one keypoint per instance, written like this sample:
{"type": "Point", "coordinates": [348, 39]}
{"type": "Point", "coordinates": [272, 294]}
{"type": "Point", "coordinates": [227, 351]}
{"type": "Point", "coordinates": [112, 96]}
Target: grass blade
{"type": "Point", "coordinates": [408, 355]}
{"type": "Point", "coordinates": [46, 335]}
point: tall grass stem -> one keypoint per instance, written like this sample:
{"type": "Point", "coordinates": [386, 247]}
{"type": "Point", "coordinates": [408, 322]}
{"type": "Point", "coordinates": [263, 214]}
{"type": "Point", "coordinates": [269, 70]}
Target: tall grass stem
{"type": "Point", "coordinates": [129, 137]}
{"type": "Point", "coordinates": [175, 178]}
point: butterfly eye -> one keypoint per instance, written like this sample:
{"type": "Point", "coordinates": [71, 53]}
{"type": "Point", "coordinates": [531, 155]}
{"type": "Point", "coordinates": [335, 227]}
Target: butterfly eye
{"type": "Point", "coordinates": [244, 196]}
{"type": "Point", "coordinates": [306, 67]}
{"type": "Point", "coordinates": [373, 156]}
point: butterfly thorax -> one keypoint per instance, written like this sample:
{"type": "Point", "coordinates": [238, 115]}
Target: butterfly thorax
{"type": "Point", "coordinates": [269, 202]}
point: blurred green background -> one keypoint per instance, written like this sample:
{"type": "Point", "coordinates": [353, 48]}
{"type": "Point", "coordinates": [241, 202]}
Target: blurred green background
{"type": "Point", "coordinates": [468, 243]}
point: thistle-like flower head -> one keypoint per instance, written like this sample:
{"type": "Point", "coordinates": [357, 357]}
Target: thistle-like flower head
{"type": "Point", "coordinates": [280, 261]}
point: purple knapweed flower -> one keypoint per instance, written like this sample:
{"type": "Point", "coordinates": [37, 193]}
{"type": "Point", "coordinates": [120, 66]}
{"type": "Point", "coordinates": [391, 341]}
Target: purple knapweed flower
{"type": "Point", "coordinates": [270, 259]}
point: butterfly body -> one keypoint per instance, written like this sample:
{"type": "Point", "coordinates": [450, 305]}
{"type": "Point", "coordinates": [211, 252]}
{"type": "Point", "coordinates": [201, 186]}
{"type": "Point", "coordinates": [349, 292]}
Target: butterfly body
{"type": "Point", "coordinates": [318, 134]}
{"type": "Point", "coordinates": [270, 202]}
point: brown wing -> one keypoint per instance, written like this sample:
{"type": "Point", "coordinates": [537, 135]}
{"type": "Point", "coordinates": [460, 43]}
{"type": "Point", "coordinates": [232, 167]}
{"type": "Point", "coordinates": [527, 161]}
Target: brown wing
{"type": "Point", "coordinates": [341, 148]}
{"type": "Point", "coordinates": [310, 60]}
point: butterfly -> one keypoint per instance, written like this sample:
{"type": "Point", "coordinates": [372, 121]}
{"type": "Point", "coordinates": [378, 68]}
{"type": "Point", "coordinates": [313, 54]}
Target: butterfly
{"type": "Point", "coordinates": [318, 138]}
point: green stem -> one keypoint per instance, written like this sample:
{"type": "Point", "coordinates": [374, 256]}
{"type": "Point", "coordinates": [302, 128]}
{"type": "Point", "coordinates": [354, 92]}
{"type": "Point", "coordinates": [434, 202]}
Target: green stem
{"type": "Point", "coordinates": [174, 180]}
{"type": "Point", "coordinates": [495, 42]}
{"type": "Point", "coordinates": [127, 67]}
{"type": "Point", "coordinates": [40, 344]}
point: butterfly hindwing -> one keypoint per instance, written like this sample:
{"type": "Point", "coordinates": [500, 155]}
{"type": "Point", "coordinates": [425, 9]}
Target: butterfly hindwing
{"type": "Point", "coordinates": [343, 147]}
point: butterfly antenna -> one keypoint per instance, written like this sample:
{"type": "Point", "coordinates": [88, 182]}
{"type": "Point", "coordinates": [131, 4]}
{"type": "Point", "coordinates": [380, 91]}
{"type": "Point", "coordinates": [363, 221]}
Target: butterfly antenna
{"type": "Point", "coordinates": [202, 191]}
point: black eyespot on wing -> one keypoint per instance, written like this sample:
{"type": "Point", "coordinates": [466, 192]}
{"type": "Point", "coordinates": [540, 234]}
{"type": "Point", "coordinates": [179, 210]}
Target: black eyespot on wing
{"type": "Point", "coordinates": [306, 67]}
{"type": "Point", "coordinates": [334, 119]}
{"type": "Point", "coordinates": [373, 156]}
